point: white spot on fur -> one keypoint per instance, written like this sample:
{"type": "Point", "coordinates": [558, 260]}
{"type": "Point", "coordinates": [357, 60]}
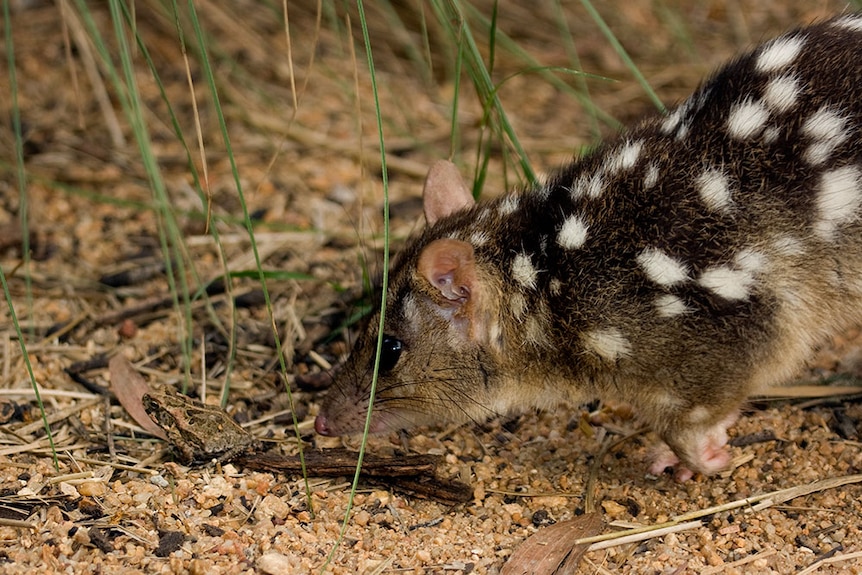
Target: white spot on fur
{"type": "Point", "coordinates": [827, 129]}
{"type": "Point", "coordinates": [535, 331]}
{"type": "Point", "coordinates": [662, 268]}
{"type": "Point", "coordinates": [495, 335]}
{"type": "Point", "coordinates": [608, 343]}
{"type": "Point", "coordinates": [573, 234]}
{"type": "Point", "coordinates": [669, 305]}
{"type": "Point", "coordinates": [518, 305]}
{"type": "Point", "coordinates": [509, 204]}
{"type": "Point", "coordinates": [651, 176]}
{"type": "Point", "coordinates": [750, 260]}
{"type": "Point", "coordinates": [587, 185]}
{"type": "Point", "coordinates": [672, 120]}
{"type": "Point", "coordinates": [818, 152]}
{"type": "Point", "coordinates": [838, 199]}
{"type": "Point", "coordinates": [781, 93]}
{"type": "Point", "coordinates": [666, 399]}
{"type": "Point", "coordinates": [714, 190]}
{"type": "Point", "coordinates": [479, 238]}
{"type": "Point", "coordinates": [787, 246]}
{"type": "Point", "coordinates": [523, 271]}
{"type": "Point", "coordinates": [746, 119]}
{"type": "Point", "coordinates": [824, 124]}
{"type": "Point", "coordinates": [699, 414]}
{"type": "Point", "coordinates": [624, 158]}
{"type": "Point", "coordinates": [852, 23]}
{"type": "Point", "coordinates": [770, 134]}
{"type": "Point", "coordinates": [411, 311]}
{"type": "Point", "coordinates": [543, 192]}
{"type": "Point", "coordinates": [555, 286]}
{"type": "Point", "coordinates": [778, 54]}
{"type": "Point", "coordinates": [727, 282]}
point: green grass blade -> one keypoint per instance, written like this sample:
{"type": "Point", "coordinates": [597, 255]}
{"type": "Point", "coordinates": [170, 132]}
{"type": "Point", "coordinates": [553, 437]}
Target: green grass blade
{"type": "Point", "coordinates": [22, 194]}
{"type": "Point", "coordinates": [603, 26]}
{"type": "Point", "coordinates": [384, 282]}
{"type": "Point", "coordinates": [214, 94]}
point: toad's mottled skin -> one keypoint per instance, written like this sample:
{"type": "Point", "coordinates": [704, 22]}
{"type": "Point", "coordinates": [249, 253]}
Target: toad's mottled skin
{"type": "Point", "coordinates": [198, 432]}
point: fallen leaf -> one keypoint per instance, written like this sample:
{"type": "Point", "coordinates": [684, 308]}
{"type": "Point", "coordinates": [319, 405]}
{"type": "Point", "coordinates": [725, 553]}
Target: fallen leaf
{"type": "Point", "coordinates": [129, 388]}
{"type": "Point", "coordinates": [551, 550]}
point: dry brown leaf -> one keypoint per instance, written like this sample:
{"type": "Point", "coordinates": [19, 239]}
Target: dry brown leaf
{"type": "Point", "coordinates": [129, 387]}
{"type": "Point", "coordinates": [551, 550]}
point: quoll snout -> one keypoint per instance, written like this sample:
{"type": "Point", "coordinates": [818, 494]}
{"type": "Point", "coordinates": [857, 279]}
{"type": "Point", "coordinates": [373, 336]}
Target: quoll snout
{"type": "Point", "coordinates": [698, 257]}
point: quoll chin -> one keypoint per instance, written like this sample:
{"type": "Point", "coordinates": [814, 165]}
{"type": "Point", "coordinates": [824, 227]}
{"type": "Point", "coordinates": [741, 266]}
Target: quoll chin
{"type": "Point", "coordinates": [698, 257]}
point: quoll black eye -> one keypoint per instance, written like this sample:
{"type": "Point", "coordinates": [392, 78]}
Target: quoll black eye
{"type": "Point", "coordinates": [390, 353]}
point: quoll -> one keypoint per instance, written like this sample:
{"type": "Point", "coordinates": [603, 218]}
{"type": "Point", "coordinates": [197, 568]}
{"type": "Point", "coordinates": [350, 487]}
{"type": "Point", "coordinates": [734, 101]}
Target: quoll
{"type": "Point", "coordinates": [693, 260]}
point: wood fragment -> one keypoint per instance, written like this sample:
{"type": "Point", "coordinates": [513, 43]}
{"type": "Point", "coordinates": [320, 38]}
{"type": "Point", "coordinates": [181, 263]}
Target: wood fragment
{"type": "Point", "coordinates": [169, 541]}
{"type": "Point", "coordinates": [761, 436]}
{"type": "Point", "coordinates": [553, 550]}
{"type": "Point", "coordinates": [414, 474]}
{"type": "Point", "coordinates": [448, 491]}
{"type": "Point", "coordinates": [856, 556]}
{"type": "Point", "coordinates": [133, 275]}
{"type": "Point", "coordinates": [338, 462]}
{"type": "Point", "coordinates": [17, 524]}
{"type": "Point", "coordinates": [99, 540]}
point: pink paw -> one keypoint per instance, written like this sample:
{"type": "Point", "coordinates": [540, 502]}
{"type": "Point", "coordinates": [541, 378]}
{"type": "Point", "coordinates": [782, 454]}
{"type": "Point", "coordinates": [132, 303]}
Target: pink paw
{"type": "Point", "coordinates": [664, 457]}
{"type": "Point", "coordinates": [714, 456]}
{"type": "Point", "coordinates": [704, 452]}
{"type": "Point", "coordinates": [710, 454]}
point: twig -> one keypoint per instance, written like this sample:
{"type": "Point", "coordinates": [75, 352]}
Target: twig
{"type": "Point", "coordinates": [17, 523]}
{"type": "Point", "coordinates": [71, 18]}
{"type": "Point", "coordinates": [590, 497]}
{"type": "Point", "coordinates": [635, 537]}
{"type": "Point", "coordinates": [756, 503]}
{"type": "Point", "coordinates": [834, 559]}
{"type": "Point", "coordinates": [57, 416]}
{"type": "Point", "coordinates": [743, 561]}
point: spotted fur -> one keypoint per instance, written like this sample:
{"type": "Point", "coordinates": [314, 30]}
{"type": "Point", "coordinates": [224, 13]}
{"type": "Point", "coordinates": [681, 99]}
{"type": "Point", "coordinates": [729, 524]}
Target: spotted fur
{"type": "Point", "coordinates": [680, 267]}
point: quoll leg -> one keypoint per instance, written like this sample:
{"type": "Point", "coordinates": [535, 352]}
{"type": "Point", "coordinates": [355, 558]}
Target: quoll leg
{"type": "Point", "coordinates": [694, 449]}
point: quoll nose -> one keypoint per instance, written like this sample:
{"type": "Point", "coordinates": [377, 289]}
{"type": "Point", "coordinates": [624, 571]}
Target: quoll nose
{"type": "Point", "coordinates": [321, 425]}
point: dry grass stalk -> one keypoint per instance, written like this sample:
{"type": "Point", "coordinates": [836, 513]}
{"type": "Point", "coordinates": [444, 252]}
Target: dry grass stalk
{"type": "Point", "coordinates": [755, 503]}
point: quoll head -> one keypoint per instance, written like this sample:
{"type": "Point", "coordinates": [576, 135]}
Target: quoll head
{"type": "Point", "coordinates": [432, 364]}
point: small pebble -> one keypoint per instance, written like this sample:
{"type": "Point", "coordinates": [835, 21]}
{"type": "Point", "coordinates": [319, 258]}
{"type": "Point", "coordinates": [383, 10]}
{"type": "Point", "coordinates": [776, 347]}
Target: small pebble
{"type": "Point", "coordinates": [273, 563]}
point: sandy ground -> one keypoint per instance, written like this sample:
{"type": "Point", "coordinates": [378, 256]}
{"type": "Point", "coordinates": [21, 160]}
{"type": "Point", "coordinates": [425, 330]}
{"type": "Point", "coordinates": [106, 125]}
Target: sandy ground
{"type": "Point", "coordinates": [115, 501]}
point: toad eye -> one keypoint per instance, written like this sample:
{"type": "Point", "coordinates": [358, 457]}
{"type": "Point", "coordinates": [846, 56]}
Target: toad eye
{"type": "Point", "coordinates": [390, 353]}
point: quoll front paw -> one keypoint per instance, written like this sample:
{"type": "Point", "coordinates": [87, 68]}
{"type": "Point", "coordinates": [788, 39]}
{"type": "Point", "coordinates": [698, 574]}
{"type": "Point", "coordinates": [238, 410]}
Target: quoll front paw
{"type": "Point", "coordinates": [697, 452]}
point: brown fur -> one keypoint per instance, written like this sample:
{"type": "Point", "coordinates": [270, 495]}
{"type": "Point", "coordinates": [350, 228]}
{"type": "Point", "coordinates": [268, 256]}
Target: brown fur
{"type": "Point", "coordinates": [707, 254]}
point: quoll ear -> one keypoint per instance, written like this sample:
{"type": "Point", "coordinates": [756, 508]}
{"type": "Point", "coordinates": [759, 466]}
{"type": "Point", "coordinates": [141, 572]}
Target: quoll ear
{"type": "Point", "coordinates": [445, 192]}
{"type": "Point", "coordinates": [449, 266]}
